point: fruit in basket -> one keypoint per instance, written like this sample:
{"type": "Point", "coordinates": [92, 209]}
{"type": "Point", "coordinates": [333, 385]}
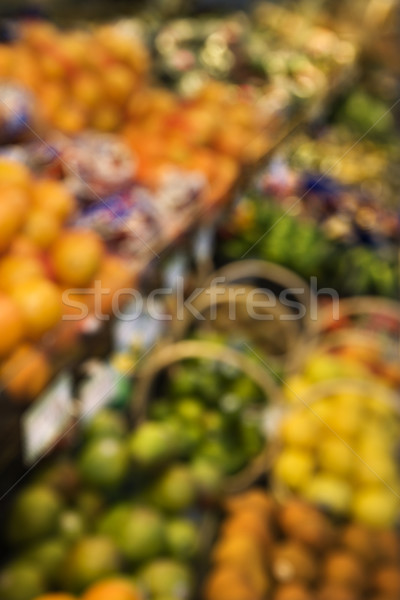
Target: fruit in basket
{"type": "Point", "coordinates": [294, 468]}
{"type": "Point", "coordinates": [166, 577]}
{"type": "Point", "coordinates": [35, 514]}
{"type": "Point", "coordinates": [56, 596]}
{"type": "Point", "coordinates": [92, 558]}
{"type": "Point", "coordinates": [48, 557]}
{"type": "Point", "coordinates": [138, 531]}
{"type": "Point", "coordinates": [11, 221]}
{"type": "Point", "coordinates": [104, 463]}
{"type": "Point", "coordinates": [151, 443]}
{"type": "Point", "coordinates": [182, 538]}
{"type": "Point", "coordinates": [71, 525]}
{"type": "Point", "coordinates": [376, 506]}
{"type": "Point", "coordinates": [207, 476]}
{"type": "Point", "coordinates": [116, 588]}
{"type": "Point", "coordinates": [292, 561]}
{"type": "Point", "coordinates": [329, 491]}
{"type": "Point", "coordinates": [11, 325]}
{"type": "Point", "coordinates": [39, 301]}
{"type": "Point", "coordinates": [20, 581]}
{"type": "Point", "coordinates": [25, 373]}
{"type": "Point", "coordinates": [76, 257]}
{"type": "Point", "coordinates": [106, 423]}
{"type": "Point", "coordinates": [175, 489]}
{"type": "Point", "coordinates": [306, 524]}
{"type": "Point", "coordinates": [344, 569]}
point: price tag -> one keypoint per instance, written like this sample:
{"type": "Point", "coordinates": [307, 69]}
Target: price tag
{"type": "Point", "coordinates": [203, 246]}
{"type": "Point", "coordinates": [139, 331]}
{"type": "Point", "coordinates": [47, 419]}
{"type": "Point", "coordinates": [175, 271]}
{"type": "Point", "coordinates": [99, 390]}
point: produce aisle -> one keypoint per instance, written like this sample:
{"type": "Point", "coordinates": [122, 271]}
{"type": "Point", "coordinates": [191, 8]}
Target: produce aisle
{"type": "Point", "coordinates": [199, 301]}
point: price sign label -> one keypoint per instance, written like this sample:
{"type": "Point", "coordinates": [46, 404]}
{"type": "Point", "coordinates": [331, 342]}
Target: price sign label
{"type": "Point", "coordinates": [98, 390]}
{"type": "Point", "coordinates": [47, 419]}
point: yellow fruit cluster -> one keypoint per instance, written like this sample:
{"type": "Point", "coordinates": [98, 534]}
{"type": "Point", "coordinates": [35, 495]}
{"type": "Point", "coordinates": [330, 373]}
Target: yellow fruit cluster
{"type": "Point", "coordinates": [339, 452]}
{"type": "Point", "coordinates": [117, 588]}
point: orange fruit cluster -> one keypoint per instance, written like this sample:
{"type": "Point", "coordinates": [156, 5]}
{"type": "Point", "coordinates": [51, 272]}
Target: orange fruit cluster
{"type": "Point", "coordinates": [116, 588]}
{"type": "Point", "coordinates": [82, 79]}
{"type": "Point", "coordinates": [39, 260]}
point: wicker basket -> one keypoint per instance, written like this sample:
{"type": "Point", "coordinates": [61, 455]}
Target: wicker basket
{"type": "Point", "coordinates": [235, 289]}
{"type": "Point", "coordinates": [166, 356]}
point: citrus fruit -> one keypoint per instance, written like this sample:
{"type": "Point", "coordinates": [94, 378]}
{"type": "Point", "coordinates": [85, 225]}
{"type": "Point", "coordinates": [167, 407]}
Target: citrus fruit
{"type": "Point", "coordinates": [25, 373]}
{"type": "Point", "coordinates": [166, 577]}
{"type": "Point", "coordinates": [55, 596]}
{"type": "Point", "coordinates": [137, 531]}
{"type": "Point", "coordinates": [89, 560]}
{"type": "Point", "coordinates": [40, 303]}
{"type": "Point", "coordinates": [15, 174]}
{"type": "Point", "coordinates": [11, 325]}
{"type": "Point", "coordinates": [106, 423]}
{"type": "Point", "coordinates": [53, 197]}
{"type": "Point", "coordinates": [48, 556]}
{"type": "Point", "coordinates": [20, 581]}
{"type": "Point", "coordinates": [34, 514]}
{"type": "Point", "coordinates": [76, 257]}
{"type": "Point", "coordinates": [16, 268]}
{"type": "Point", "coordinates": [116, 588]}
{"type": "Point", "coordinates": [11, 221]}
{"type": "Point", "coordinates": [41, 227]}
{"type": "Point", "coordinates": [182, 538]}
{"type": "Point", "coordinates": [175, 490]}
{"type": "Point", "coordinates": [150, 444]}
{"type": "Point", "coordinates": [104, 462]}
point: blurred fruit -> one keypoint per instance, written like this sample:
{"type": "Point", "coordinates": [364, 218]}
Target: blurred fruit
{"type": "Point", "coordinates": [116, 588]}
{"type": "Point", "coordinates": [182, 538]}
{"type": "Point", "coordinates": [89, 560]}
{"type": "Point", "coordinates": [34, 514]}
{"type": "Point", "coordinates": [207, 476]}
{"type": "Point", "coordinates": [104, 463]}
{"type": "Point", "coordinates": [292, 591]}
{"type": "Point", "coordinates": [11, 325]}
{"type": "Point", "coordinates": [56, 596]}
{"type": "Point", "coordinates": [25, 373]}
{"type": "Point", "coordinates": [39, 301]}
{"type": "Point", "coordinates": [166, 577]}
{"type": "Point", "coordinates": [291, 562]}
{"type": "Point", "coordinates": [71, 525]}
{"type": "Point", "coordinates": [11, 221]}
{"type": "Point", "coordinates": [48, 557]}
{"type": "Point", "coordinates": [20, 581]}
{"type": "Point", "coordinates": [106, 423]}
{"type": "Point", "coordinates": [336, 457]}
{"type": "Point", "coordinates": [376, 506]}
{"type": "Point", "coordinates": [16, 268]}
{"type": "Point", "coordinates": [330, 492]}
{"type": "Point", "coordinates": [344, 569]}
{"type": "Point", "coordinates": [175, 490]}
{"type": "Point", "coordinates": [41, 227]}
{"type": "Point", "coordinates": [76, 257]}
{"type": "Point", "coordinates": [138, 532]}
{"type": "Point", "coordinates": [14, 174]}
{"type": "Point", "coordinates": [151, 444]}
{"type": "Point", "coordinates": [300, 429]}
{"type": "Point", "coordinates": [294, 468]}
{"type": "Point", "coordinates": [306, 524]}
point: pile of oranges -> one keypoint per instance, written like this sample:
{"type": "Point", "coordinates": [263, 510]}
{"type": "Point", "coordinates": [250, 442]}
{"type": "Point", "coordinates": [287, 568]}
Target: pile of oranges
{"type": "Point", "coordinates": [82, 79]}
{"type": "Point", "coordinates": [41, 260]}
{"type": "Point", "coordinates": [116, 588]}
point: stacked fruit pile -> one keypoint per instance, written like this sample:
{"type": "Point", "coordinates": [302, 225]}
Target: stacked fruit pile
{"type": "Point", "coordinates": [81, 79]}
{"type": "Point", "coordinates": [40, 260]}
{"type": "Point", "coordinates": [135, 502]}
{"type": "Point", "coordinates": [292, 551]}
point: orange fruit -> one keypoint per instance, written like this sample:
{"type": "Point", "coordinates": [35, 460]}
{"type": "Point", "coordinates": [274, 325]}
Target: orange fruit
{"type": "Point", "coordinates": [15, 269]}
{"type": "Point", "coordinates": [69, 118]}
{"type": "Point", "coordinates": [53, 197]}
{"type": "Point", "coordinates": [13, 173]}
{"type": "Point", "coordinates": [114, 275]}
{"type": "Point", "coordinates": [25, 373]}
{"type": "Point", "coordinates": [105, 117]}
{"type": "Point", "coordinates": [11, 220]}
{"type": "Point", "coordinates": [116, 588]}
{"type": "Point", "coordinates": [22, 246]}
{"type": "Point", "coordinates": [42, 228]}
{"type": "Point", "coordinates": [87, 89]}
{"type": "Point", "coordinates": [76, 257]}
{"type": "Point", "coordinates": [40, 303]}
{"type": "Point", "coordinates": [11, 325]}
{"type": "Point", "coordinates": [56, 596]}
